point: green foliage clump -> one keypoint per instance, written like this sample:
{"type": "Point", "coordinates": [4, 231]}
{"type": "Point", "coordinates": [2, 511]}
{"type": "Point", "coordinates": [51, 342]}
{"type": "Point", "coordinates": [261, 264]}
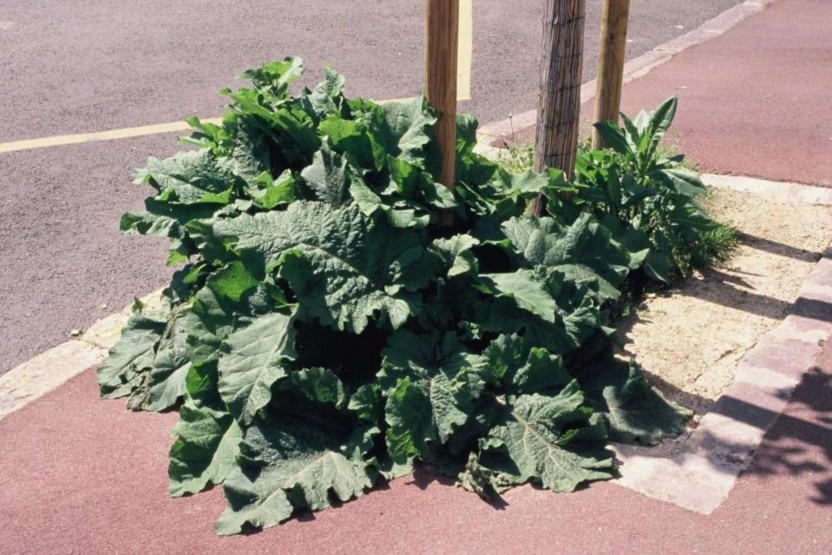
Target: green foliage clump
{"type": "Point", "coordinates": [635, 183]}
{"type": "Point", "coordinates": [323, 332]}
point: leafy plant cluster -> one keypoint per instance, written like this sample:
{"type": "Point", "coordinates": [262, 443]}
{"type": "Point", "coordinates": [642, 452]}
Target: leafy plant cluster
{"type": "Point", "coordinates": [324, 333]}
{"type": "Point", "coordinates": [635, 183]}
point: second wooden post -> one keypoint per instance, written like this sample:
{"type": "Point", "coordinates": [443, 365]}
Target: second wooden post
{"type": "Point", "coordinates": [613, 45]}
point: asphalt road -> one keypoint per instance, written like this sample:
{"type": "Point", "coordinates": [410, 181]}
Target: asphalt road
{"type": "Point", "coordinates": [80, 66]}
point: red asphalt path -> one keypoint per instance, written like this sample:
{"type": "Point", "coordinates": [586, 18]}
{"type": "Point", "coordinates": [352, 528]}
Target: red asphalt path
{"type": "Point", "coordinates": [755, 101]}
{"type": "Point", "coordinates": [79, 475]}
{"type": "Point", "coordinates": [84, 476]}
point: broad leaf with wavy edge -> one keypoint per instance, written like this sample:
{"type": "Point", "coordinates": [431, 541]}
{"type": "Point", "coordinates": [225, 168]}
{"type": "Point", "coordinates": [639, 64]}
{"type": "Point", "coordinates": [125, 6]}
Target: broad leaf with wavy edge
{"type": "Point", "coordinates": [205, 449]}
{"type": "Point", "coordinates": [344, 269]}
{"type": "Point", "coordinates": [255, 359]}
{"type": "Point", "coordinates": [536, 437]}
{"type": "Point", "coordinates": [307, 451]}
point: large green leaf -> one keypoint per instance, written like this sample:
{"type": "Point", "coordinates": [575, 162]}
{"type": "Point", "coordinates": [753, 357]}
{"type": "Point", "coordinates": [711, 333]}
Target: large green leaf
{"type": "Point", "coordinates": [133, 355]}
{"type": "Point", "coordinates": [205, 449]}
{"type": "Point", "coordinates": [328, 177]}
{"type": "Point", "coordinates": [581, 249]}
{"type": "Point", "coordinates": [456, 255]}
{"type": "Point", "coordinates": [344, 269]}
{"type": "Point", "coordinates": [528, 290]}
{"type": "Point", "coordinates": [165, 219]}
{"type": "Point", "coordinates": [636, 411]}
{"type": "Point", "coordinates": [281, 470]}
{"type": "Point", "coordinates": [575, 318]}
{"type": "Point", "coordinates": [660, 120]}
{"type": "Point", "coordinates": [683, 182]}
{"type": "Point", "coordinates": [410, 122]}
{"type": "Point", "coordinates": [188, 177]}
{"type": "Point", "coordinates": [328, 95]}
{"type": "Point", "coordinates": [164, 385]}
{"type": "Point", "coordinates": [513, 364]}
{"type": "Point", "coordinates": [256, 358]}
{"type": "Point", "coordinates": [276, 76]}
{"type": "Point", "coordinates": [430, 391]}
{"type": "Point", "coordinates": [536, 437]}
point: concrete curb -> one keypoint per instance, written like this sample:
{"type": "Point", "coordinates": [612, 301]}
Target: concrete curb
{"type": "Point", "coordinates": [492, 136]}
{"type": "Point", "coordinates": [51, 369]}
{"type": "Point", "coordinates": [795, 193]}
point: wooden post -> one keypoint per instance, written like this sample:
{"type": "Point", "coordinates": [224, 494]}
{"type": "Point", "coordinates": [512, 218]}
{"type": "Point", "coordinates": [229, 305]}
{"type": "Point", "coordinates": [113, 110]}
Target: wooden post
{"type": "Point", "coordinates": [559, 102]}
{"type": "Point", "coordinates": [441, 50]}
{"type": "Point", "coordinates": [613, 44]}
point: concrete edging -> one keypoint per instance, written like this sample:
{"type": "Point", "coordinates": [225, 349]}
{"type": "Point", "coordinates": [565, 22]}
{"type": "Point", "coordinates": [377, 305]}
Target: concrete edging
{"type": "Point", "coordinates": [49, 370]}
{"type": "Point", "coordinates": [700, 477]}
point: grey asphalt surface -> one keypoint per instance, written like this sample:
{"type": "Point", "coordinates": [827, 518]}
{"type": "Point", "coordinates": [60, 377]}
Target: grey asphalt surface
{"type": "Point", "coordinates": [88, 65]}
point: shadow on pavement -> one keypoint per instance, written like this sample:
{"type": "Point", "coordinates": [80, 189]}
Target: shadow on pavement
{"type": "Point", "coordinates": [777, 248]}
{"type": "Point", "coordinates": [724, 289]}
{"type": "Point", "coordinates": [799, 444]}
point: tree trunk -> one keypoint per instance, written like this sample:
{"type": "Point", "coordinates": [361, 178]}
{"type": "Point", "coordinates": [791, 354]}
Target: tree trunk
{"type": "Point", "coordinates": [610, 64]}
{"type": "Point", "coordinates": [559, 103]}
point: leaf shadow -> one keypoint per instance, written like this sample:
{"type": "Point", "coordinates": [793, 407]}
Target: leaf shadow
{"type": "Point", "coordinates": [426, 474]}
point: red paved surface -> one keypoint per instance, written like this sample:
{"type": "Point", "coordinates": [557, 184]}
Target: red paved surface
{"type": "Point", "coordinates": [755, 101]}
{"type": "Point", "coordinates": [78, 475]}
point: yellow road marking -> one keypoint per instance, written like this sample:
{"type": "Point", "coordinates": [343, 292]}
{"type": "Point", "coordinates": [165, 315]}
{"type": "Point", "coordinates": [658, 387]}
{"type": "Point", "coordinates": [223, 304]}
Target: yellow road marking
{"type": "Point", "coordinates": [113, 134]}
{"type": "Point", "coordinates": [466, 49]}
{"type": "Point", "coordinates": [63, 140]}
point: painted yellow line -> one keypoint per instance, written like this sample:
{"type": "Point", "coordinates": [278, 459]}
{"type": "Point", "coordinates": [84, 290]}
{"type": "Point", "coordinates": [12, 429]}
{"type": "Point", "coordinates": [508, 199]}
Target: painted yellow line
{"type": "Point", "coordinates": [466, 49]}
{"type": "Point", "coordinates": [113, 134]}
{"type": "Point", "coordinates": [63, 140]}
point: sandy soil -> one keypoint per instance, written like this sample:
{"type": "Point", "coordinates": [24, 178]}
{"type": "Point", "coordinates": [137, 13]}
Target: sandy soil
{"type": "Point", "coordinates": [691, 338]}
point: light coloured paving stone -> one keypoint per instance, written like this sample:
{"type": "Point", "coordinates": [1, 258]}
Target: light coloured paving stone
{"type": "Point", "coordinates": [690, 481]}
{"type": "Point", "coordinates": [792, 193]}
{"type": "Point", "coordinates": [484, 149]}
{"type": "Point", "coordinates": [644, 64]}
{"type": "Point", "coordinates": [772, 383]}
{"type": "Point", "coordinates": [46, 372]}
{"type": "Point", "coordinates": [785, 356]}
{"type": "Point", "coordinates": [681, 43]}
{"type": "Point", "coordinates": [106, 332]}
{"type": "Point", "coordinates": [514, 124]}
{"type": "Point", "coordinates": [730, 18]}
{"type": "Point", "coordinates": [818, 284]}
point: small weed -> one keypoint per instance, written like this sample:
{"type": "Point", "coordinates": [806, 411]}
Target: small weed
{"type": "Point", "coordinates": [517, 157]}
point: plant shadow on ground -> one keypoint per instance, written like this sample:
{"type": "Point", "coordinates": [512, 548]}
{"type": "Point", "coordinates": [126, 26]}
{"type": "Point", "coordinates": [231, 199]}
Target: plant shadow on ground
{"type": "Point", "coordinates": [799, 442]}
{"type": "Point", "coordinates": [775, 247]}
{"type": "Point", "coordinates": [425, 474]}
{"type": "Point", "coordinates": [731, 290]}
